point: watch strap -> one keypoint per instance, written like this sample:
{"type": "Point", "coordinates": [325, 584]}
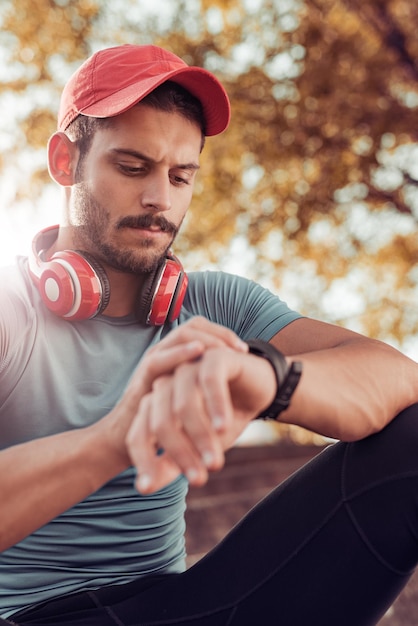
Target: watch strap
{"type": "Point", "coordinates": [287, 376]}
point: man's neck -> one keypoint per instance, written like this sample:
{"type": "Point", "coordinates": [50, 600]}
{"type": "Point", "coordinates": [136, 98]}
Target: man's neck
{"type": "Point", "coordinates": [124, 290]}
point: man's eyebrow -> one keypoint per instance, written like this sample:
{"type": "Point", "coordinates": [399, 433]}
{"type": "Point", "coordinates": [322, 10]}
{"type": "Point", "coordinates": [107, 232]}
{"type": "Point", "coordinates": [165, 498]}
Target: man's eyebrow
{"type": "Point", "coordinates": [144, 157]}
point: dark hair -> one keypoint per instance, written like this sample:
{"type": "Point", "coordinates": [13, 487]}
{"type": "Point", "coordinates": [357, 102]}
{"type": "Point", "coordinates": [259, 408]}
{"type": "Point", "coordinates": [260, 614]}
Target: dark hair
{"type": "Point", "coordinates": [174, 98]}
{"type": "Point", "coordinates": [169, 97]}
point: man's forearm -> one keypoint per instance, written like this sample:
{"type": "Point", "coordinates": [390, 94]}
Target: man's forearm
{"type": "Point", "coordinates": [352, 390]}
{"type": "Point", "coordinates": [42, 478]}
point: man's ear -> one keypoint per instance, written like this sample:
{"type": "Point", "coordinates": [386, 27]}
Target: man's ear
{"type": "Point", "coordinates": [62, 159]}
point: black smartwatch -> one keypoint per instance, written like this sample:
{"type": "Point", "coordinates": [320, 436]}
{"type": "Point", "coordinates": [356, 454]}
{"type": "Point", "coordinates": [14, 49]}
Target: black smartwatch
{"type": "Point", "coordinates": [287, 376]}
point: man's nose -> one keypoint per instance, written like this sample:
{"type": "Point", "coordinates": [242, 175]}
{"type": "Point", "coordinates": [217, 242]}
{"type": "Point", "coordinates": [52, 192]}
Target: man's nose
{"type": "Point", "coordinates": [157, 193]}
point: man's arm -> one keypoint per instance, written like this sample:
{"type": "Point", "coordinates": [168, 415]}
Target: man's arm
{"type": "Point", "coordinates": [42, 478]}
{"type": "Point", "coordinates": [350, 387]}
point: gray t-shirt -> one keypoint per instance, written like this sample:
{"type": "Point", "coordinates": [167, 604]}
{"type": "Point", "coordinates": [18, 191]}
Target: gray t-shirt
{"type": "Point", "coordinates": [57, 375]}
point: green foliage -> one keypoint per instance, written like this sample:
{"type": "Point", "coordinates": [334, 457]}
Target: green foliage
{"type": "Point", "coordinates": [317, 171]}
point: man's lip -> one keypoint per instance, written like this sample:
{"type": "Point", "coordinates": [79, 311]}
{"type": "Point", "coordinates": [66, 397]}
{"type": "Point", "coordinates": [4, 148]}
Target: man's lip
{"type": "Point", "coordinates": [148, 231]}
{"type": "Point", "coordinates": [154, 229]}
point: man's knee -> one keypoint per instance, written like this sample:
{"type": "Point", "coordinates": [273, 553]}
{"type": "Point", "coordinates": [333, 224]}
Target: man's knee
{"type": "Point", "coordinates": [400, 438]}
{"type": "Point", "coordinates": [380, 485]}
{"type": "Point", "coordinates": [389, 454]}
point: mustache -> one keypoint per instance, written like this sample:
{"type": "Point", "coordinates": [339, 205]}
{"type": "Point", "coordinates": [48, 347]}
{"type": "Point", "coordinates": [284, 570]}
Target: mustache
{"type": "Point", "coordinates": [148, 221]}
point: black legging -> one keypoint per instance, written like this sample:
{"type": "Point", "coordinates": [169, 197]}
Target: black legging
{"type": "Point", "coordinates": [331, 546]}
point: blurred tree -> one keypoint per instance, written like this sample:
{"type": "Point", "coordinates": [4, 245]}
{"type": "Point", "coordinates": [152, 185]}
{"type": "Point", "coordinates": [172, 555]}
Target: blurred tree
{"type": "Point", "coordinates": [318, 170]}
{"type": "Point", "coordinates": [36, 44]}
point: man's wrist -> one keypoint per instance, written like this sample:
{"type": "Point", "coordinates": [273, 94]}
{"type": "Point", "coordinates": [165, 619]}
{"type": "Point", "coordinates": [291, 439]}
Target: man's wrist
{"type": "Point", "coordinates": [287, 376]}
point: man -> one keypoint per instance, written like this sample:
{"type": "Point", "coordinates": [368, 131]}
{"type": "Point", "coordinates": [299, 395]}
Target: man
{"type": "Point", "coordinates": [99, 440]}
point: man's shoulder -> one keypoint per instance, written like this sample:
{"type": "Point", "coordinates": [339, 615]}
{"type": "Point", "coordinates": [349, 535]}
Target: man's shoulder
{"type": "Point", "coordinates": [218, 283]}
{"type": "Point", "coordinates": [239, 303]}
{"type": "Point", "coordinates": [15, 287]}
{"type": "Point", "coordinates": [217, 278]}
{"type": "Point", "coordinates": [13, 271]}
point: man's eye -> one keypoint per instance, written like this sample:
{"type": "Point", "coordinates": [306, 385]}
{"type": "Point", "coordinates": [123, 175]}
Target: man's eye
{"type": "Point", "coordinates": [179, 180]}
{"type": "Point", "coordinates": [131, 170]}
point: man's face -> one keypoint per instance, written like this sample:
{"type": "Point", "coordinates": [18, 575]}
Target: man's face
{"type": "Point", "coordinates": [134, 187]}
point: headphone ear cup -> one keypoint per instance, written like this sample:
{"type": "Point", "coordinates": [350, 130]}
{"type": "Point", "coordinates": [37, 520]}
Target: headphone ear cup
{"type": "Point", "coordinates": [178, 297]}
{"type": "Point", "coordinates": [146, 296]}
{"type": "Point", "coordinates": [56, 287]}
{"type": "Point", "coordinates": [162, 294]}
{"type": "Point", "coordinates": [102, 278]}
{"type": "Point", "coordinates": [72, 284]}
{"type": "Point", "coordinates": [73, 287]}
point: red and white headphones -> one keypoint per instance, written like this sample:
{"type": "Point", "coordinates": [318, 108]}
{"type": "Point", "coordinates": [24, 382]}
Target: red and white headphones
{"type": "Point", "coordinates": [74, 286]}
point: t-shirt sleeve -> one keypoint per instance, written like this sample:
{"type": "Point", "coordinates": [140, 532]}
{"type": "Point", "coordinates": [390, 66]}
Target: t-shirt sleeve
{"type": "Point", "coordinates": [16, 319]}
{"type": "Point", "coordinates": [246, 307]}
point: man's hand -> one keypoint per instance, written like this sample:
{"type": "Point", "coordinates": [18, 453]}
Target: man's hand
{"type": "Point", "coordinates": [185, 344]}
{"type": "Point", "coordinates": [194, 413]}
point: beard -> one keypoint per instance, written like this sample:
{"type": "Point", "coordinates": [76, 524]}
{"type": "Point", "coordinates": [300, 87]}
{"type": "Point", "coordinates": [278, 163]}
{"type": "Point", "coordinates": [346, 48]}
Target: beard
{"type": "Point", "coordinates": [93, 234]}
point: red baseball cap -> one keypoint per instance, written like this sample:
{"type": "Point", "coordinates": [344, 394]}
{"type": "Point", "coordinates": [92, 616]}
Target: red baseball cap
{"type": "Point", "coordinates": [114, 79]}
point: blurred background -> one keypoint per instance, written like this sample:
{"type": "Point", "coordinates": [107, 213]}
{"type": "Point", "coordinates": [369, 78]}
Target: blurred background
{"type": "Point", "coordinates": [313, 189]}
